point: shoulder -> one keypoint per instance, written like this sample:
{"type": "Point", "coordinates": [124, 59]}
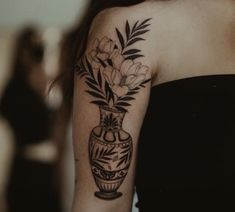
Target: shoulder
{"type": "Point", "coordinates": [127, 28]}
{"type": "Point", "coordinates": [116, 15]}
{"type": "Point", "coordinates": [147, 29]}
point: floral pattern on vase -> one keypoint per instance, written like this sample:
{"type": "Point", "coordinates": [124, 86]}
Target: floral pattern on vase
{"type": "Point", "coordinates": [110, 152]}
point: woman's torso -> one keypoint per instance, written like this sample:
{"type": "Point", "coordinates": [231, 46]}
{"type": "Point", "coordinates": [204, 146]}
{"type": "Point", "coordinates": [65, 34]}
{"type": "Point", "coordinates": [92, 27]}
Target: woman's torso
{"type": "Point", "coordinates": [26, 112]}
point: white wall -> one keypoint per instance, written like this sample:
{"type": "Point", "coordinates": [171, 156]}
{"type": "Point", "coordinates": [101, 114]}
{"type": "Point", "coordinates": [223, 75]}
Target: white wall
{"type": "Point", "coordinates": [60, 13]}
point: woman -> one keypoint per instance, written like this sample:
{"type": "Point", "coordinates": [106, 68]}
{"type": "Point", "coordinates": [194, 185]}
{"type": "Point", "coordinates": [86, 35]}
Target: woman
{"type": "Point", "coordinates": [31, 183]}
{"type": "Point", "coordinates": [168, 66]}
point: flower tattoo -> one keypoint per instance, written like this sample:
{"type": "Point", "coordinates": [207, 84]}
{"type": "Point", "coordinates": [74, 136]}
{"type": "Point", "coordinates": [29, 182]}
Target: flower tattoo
{"type": "Point", "coordinates": [128, 77]}
{"type": "Point", "coordinates": [114, 61]}
{"type": "Point", "coordinates": [113, 77]}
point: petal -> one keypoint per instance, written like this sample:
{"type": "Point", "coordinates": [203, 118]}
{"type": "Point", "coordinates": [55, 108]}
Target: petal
{"type": "Point", "coordinates": [93, 53]}
{"type": "Point", "coordinates": [106, 48]}
{"type": "Point", "coordinates": [108, 79]}
{"type": "Point", "coordinates": [115, 53]}
{"type": "Point", "coordinates": [93, 61]}
{"type": "Point", "coordinates": [103, 41]}
{"type": "Point", "coordinates": [112, 46]}
{"type": "Point", "coordinates": [133, 69]}
{"type": "Point", "coordinates": [108, 75]}
{"type": "Point", "coordinates": [101, 68]}
{"type": "Point", "coordinates": [130, 79]}
{"type": "Point", "coordinates": [125, 66]}
{"type": "Point", "coordinates": [117, 59]}
{"type": "Point", "coordinates": [95, 65]}
{"type": "Point", "coordinates": [139, 79]}
{"type": "Point", "coordinates": [103, 56]}
{"type": "Point", "coordinates": [120, 91]}
{"type": "Point", "coordinates": [116, 77]}
{"type": "Point", "coordinates": [142, 70]}
{"type": "Point", "coordinates": [95, 43]}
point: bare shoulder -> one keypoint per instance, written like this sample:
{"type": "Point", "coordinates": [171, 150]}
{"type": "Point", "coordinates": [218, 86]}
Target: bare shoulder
{"type": "Point", "coordinates": [117, 16]}
{"type": "Point", "coordinates": [168, 36]}
{"type": "Point", "coordinates": [130, 28]}
{"type": "Point", "coordinates": [152, 30]}
{"type": "Point", "coordinates": [153, 9]}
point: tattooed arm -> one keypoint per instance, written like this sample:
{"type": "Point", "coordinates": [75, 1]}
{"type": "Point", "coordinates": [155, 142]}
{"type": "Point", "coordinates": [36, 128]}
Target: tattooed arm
{"type": "Point", "coordinates": [111, 93]}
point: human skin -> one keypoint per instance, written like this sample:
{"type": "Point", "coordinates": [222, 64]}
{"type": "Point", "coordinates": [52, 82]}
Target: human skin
{"type": "Point", "coordinates": [186, 38]}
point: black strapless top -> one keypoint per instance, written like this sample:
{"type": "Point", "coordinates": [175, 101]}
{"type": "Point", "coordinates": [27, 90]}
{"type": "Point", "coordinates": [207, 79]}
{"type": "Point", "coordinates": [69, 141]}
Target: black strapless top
{"type": "Point", "coordinates": [187, 142]}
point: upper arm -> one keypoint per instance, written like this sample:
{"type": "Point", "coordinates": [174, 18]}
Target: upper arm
{"type": "Point", "coordinates": [112, 87]}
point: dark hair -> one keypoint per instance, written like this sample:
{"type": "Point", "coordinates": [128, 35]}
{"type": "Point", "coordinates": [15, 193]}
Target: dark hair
{"type": "Point", "coordinates": [74, 43]}
{"type": "Point", "coordinates": [25, 43]}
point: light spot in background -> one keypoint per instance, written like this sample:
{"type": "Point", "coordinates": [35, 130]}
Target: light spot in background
{"type": "Point", "coordinates": [52, 37]}
{"type": "Point", "coordinates": [59, 13]}
{"type": "Point", "coordinates": [6, 153]}
{"type": "Point", "coordinates": [6, 47]}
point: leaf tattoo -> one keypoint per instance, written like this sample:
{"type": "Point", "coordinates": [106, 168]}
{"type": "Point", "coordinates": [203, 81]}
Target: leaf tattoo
{"type": "Point", "coordinates": [103, 68]}
{"type": "Point", "coordinates": [114, 78]}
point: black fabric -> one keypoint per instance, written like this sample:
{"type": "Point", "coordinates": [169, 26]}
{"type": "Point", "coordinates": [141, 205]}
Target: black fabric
{"type": "Point", "coordinates": [27, 114]}
{"type": "Point", "coordinates": [31, 187]}
{"type": "Point", "coordinates": [187, 142]}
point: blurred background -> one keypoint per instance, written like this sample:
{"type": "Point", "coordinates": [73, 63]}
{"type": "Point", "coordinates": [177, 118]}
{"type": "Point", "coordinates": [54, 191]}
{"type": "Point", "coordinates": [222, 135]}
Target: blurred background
{"type": "Point", "coordinates": [36, 159]}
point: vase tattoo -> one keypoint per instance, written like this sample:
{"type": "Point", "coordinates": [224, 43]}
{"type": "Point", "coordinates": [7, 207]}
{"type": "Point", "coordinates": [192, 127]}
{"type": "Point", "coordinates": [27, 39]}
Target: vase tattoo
{"type": "Point", "coordinates": [113, 78]}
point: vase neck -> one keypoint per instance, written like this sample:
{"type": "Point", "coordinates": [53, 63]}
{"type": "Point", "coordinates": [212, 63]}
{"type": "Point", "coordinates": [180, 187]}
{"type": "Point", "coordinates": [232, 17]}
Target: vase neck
{"type": "Point", "coordinates": [111, 119]}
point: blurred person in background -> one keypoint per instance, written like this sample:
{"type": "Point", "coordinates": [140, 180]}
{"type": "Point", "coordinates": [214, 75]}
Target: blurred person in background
{"type": "Point", "coordinates": [31, 186]}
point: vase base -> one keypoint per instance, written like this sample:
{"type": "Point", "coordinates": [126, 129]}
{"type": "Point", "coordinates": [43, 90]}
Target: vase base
{"type": "Point", "coordinates": [108, 196]}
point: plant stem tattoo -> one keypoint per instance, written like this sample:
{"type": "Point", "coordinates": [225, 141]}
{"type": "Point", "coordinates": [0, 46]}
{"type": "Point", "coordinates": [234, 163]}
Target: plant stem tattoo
{"type": "Point", "coordinates": [113, 78]}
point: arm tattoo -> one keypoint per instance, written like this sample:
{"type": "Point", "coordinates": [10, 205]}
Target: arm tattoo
{"type": "Point", "coordinates": [113, 78]}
